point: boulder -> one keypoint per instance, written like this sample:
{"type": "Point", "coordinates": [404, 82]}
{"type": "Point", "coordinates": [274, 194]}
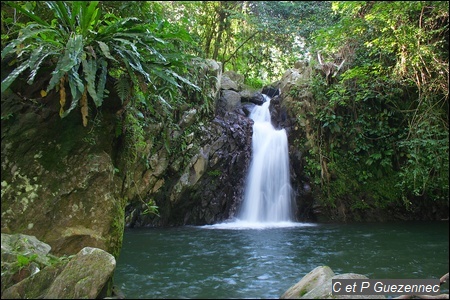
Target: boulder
{"type": "Point", "coordinates": [237, 78]}
{"type": "Point", "coordinates": [229, 101]}
{"type": "Point", "coordinates": [227, 83]}
{"type": "Point", "coordinates": [29, 271]}
{"type": "Point", "coordinates": [294, 78]}
{"type": "Point", "coordinates": [36, 285]}
{"type": "Point", "coordinates": [22, 255]}
{"type": "Point", "coordinates": [316, 278]}
{"type": "Point", "coordinates": [246, 94]}
{"type": "Point", "coordinates": [317, 284]}
{"type": "Point", "coordinates": [257, 98]}
{"type": "Point", "coordinates": [271, 91]}
{"type": "Point", "coordinates": [85, 276]}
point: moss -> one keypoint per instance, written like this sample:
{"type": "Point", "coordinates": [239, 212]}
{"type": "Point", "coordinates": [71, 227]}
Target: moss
{"type": "Point", "coordinates": [302, 292]}
{"type": "Point", "coordinates": [117, 227]}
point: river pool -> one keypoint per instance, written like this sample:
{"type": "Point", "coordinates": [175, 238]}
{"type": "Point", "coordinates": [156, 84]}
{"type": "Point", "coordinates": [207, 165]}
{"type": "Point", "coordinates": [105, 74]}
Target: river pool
{"type": "Point", "coordinates": [237, 262]}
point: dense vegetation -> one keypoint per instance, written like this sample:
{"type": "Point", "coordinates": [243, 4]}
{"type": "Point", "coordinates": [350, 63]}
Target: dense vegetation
{"type": "Point", "coordinates": [381, 125]}
{"type": "Point", "coordinates": [378, 124]}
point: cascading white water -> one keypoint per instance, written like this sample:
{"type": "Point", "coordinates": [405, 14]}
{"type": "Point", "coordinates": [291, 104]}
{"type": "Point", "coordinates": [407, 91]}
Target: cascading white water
{"type": "Point", "coordinates": [268, 196]}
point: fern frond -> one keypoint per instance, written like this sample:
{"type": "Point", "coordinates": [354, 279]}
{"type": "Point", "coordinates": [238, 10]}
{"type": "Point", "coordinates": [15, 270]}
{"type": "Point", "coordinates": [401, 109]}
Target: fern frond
{"type": "Point", "coordinates": [101, 91]}
{"type": "Point", "coordinates": [13, 75]}
{"type": "Point", "coordinates": [123, 88]}
{"type": "Point", "coordinates": [76, 89]}
{"type": "Point", "coordinates": [71, 58]}
{"type": "Point", "coordinates": [89, 70]}
{"type": "Point", "coordinates": [36, 59]}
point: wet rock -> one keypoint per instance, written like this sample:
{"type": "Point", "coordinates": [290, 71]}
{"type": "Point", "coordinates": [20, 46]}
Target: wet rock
{"type": "Point", "coordinates": [257, 98]}
{"type": "Point", "coordinates": [271, 91]}
{"type": "Point", "coordinates": [210, 188]}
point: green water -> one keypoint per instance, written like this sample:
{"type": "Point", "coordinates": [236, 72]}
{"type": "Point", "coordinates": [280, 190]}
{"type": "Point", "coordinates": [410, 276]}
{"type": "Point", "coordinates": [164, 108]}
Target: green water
{"type": "Point", "coordinates": [207, 262]}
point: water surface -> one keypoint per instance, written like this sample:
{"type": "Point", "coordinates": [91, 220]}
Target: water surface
{"type": "Point", "coordinates": [241, 262]}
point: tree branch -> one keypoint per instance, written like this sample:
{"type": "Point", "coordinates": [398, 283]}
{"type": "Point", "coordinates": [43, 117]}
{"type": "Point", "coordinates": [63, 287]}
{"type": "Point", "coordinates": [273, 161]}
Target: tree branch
{"type": "Point", "coordinates": [239, 47]}
{"type": "Point", "coordinates": [318, 57]}
{"type": "Point", "coordinates": [338, 67]}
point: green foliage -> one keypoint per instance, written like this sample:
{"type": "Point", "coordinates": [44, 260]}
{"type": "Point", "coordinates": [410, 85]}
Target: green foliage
{"type": "Point", "coordinates": [199, 97]}
{"type": "Point", "coordinates": [68, 44]}
{"type": "Point", "coordinates": [134, 131]}
{"type": "Point", "coordinates": [87, 46]}
{"type": "Point", "coordinates": [259, 39]}
{"type": "Point", "coordinates": [255, 82]}
{"type": "Point", "coordinates": [214, 173]}
{"type": "Point", "coordinates": [151, 208]}
{"type": "Point", "coordinates": [23, 260]}
{"type": "Point", "coordinates": [426, 166]}
{"type": "Point", "coordinates": [379, 128]}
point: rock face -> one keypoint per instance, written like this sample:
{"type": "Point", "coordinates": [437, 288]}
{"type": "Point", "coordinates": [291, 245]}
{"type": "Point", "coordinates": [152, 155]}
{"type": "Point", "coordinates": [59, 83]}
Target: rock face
{"type": "Point", "coordinates": [57, 178]}
{"type": "Point", "coordinates": [225, 158]}
{"type": "Point", "coordinates": [317, 285]}
{"type": "Point", "coordinates": [205, 183]}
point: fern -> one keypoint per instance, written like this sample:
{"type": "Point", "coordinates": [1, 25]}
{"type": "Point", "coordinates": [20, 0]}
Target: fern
{"type": "Point", "coordinates": [122, 86]}
{"type": "Point", "coordinates": [89, 46]}
{"type": "Point", "coordinates": [89, 69]}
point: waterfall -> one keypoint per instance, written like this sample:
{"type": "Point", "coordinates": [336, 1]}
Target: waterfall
{"type": "Point", "coordinates": [268, 196]}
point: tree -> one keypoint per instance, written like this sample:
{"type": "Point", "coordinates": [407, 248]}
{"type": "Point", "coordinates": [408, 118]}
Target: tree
{"type": "Point", "coordinates": [259, 39]}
